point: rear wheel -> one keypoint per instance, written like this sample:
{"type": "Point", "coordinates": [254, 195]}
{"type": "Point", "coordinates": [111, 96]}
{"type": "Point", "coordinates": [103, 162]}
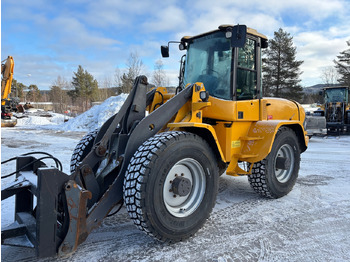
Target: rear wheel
{"type": "Point", "coordinates": [275, 176]}
{"type": "Point", "coordinates": [171, 184]}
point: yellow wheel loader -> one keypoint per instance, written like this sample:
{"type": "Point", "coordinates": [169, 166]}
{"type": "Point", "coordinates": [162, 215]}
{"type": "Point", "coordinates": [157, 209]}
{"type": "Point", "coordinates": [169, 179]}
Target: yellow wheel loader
{"type": "Point", "coordinates": [165, 165]}
{"type": "Point", "coordinates": [336, 109]}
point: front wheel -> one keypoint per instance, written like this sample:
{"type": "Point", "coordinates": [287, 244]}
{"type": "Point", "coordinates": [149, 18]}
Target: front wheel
{"type": "Point", "coordinates": [82, 149]}
{"type": "Point", "coordinates": [171, 184]}
{"type": "Point", "coordinates": [275, 176]}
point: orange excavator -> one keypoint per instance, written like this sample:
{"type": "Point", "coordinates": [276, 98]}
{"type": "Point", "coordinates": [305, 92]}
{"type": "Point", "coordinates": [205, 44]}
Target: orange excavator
{"type": "Point", "coordinates": [8, 105]}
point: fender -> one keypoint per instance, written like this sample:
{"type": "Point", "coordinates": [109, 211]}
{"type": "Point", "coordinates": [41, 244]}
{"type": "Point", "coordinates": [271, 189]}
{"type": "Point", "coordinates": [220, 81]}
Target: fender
{"type": "Point", "coordinates": [258, 143]}
{"type": "Point", "coordinates": [267, 130]}
{"type": "Point", "coordinates": [203, 130]}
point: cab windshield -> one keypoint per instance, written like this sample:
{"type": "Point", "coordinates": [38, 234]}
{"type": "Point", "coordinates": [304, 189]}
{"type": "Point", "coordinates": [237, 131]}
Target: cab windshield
{"type": "Point", "coordinates": [209, 60]}
{"type": "Point", "coordinates": [336, 95]}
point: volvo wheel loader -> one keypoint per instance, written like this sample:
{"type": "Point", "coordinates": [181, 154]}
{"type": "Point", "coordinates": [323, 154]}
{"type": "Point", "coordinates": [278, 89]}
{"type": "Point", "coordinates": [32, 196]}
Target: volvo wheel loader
{"type": "Point", "coordinates": [165, 165]}
{"type": "Point", "coordinates": [336, 109]}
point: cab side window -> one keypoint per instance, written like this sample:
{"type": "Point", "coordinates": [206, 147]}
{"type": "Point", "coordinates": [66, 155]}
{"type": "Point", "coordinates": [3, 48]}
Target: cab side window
{"type": "Point", "coordinates": [246, 85]}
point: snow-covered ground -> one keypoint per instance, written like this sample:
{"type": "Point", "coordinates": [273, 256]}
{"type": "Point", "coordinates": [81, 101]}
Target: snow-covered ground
{"type": "Point", "coordinates": [311, 223]}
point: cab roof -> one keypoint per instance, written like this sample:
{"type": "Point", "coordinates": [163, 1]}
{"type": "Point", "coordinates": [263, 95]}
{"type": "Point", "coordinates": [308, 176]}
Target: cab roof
{"type": "Point", "coordinates": [250, 31]}
{"type": "Point", "coordinates": [335, 87]}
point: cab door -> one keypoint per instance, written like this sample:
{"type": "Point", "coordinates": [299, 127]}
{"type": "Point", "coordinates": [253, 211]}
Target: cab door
{"type": "Point", "coordinates": [247, 81]}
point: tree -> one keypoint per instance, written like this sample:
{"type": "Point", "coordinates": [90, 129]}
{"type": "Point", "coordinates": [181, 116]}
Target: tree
{"type": "Point", "coordinates": [117, 77]}
{"type": "Point", "coordinates": [134, 69]}
{"type": "Point", "coordinates": [329, 75]}
{"type": "Point", "coordinates": [281, 69]}
{"type": "Point", "coordinates": [33, 94]}
{"type": "Point", "coordinates": [58, 95]}
{"type": "Point", "coordinates": [159, 76]}
{"type": "Point", "coordinates": [342, 64]}
{"type": "Point", "coordinates": [85, 88]}
{"type": "Point", "coordinates": [106, 89]}
{"type": "Point", "coordinates": [18, 89]}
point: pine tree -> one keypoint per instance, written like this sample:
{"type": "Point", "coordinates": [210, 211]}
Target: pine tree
{"type": "Point", "coordinates": [342, 64]}
{"type": "Point", "coordinates": [18, 89]}
{"type": "Point", "coordinates": [127, 80]}
{"type": "Point", "coordinates": [85, 87]}
{"type": "Point", "coordinates": [281, 69]}
{"type": "Point", "coordinates": [33, 94]}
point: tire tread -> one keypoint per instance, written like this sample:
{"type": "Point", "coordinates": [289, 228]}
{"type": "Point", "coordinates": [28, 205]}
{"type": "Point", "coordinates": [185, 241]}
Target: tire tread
{"type": "Point", "coordinates": [136, 178]}
{"type": "Point", "coordinates": [257, 179]}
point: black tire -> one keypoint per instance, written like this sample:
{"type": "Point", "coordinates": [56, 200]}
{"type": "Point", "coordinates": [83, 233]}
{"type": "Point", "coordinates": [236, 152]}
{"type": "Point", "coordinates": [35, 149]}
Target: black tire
{"type": "Point", "coordinates": [152, 174]}
{"type": "Point", "coordinates": [82, 149]}
{"type": "Point", "coordinates": [275, 176]}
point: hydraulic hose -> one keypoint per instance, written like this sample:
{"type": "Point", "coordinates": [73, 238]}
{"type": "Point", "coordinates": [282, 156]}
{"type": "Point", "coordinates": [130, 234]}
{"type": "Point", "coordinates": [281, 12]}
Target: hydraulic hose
{"type": "Point", "coordinates": [48, 156]}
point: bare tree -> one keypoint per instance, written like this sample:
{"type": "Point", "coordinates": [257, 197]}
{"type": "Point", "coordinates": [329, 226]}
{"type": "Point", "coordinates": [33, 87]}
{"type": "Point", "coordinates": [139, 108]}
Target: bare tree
{"type": "Point", "coordinates": [58, 94]}
{"type": "Point", "coordinates": [329, 75]}
{"type": "Point", "coordinates": [159, 76]}
{"type": "Point", "coordinates": [117, 77]}
{"type": "Point", "coordinates": [135, 64]}
{"type": "Point", "coordinates": [134, 68]}
{"type": "Point", "coordinates": [105, 89]}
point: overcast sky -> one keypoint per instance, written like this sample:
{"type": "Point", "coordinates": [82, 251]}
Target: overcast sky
{"type": "Point", "coordinates": [51, 38]}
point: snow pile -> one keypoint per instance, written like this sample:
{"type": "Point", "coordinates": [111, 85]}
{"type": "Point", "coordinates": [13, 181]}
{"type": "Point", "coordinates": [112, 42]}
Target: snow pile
{"type": "Point", "coordinates": [96, 116]}
{"type": "Point", "coordinates": [310, 107]}
{"type": "Point", "coordinates": [37, 120]}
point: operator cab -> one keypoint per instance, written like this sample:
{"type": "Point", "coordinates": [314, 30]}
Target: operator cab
{"type": "Point", "coordinates": [226, 61]}
{"type": "Point", "coordinates": [336, 94]}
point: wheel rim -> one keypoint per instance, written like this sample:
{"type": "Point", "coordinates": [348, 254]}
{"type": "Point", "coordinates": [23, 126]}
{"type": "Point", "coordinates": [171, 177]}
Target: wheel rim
{"type": "Point", "coordinates": [283, 174]}
{"type": "Point", "coordinates": [182, 206]}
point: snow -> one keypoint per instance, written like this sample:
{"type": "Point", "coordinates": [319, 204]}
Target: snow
{"type": "Point", "coordinates": [88, 121]}
{"type": "Point", "coordinates": [311, 223]}
{"type": "Point", "coordinates": [311, 107]}
{"type": "Point", "coordinates": [33, 120]}
{"type": "Point", "coordinates": [96, 116]}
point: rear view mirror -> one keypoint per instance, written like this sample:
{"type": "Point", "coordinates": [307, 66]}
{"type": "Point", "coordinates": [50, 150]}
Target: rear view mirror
{"type": "Point", "coordinates": [165, 50]}
{"type": "Point", "coordinates": [264, 43]}
{"type": "Point", "coordinates": [239, 33]}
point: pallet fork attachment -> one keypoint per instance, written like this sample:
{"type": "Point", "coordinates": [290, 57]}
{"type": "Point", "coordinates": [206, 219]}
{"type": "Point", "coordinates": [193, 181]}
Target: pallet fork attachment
{"type": "Point", "coordinates": [69, 207]}
{"type": "Point", "coordinates": [38, 224]}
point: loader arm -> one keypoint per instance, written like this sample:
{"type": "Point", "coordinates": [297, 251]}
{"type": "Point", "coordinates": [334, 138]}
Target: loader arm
{"type": "Point", "coordinates": [147, 128]}
{"type": "Point", "coordinates": [80, 201]}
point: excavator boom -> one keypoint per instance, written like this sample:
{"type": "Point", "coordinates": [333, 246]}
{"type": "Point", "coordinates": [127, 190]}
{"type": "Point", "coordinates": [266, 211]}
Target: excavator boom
{"type": "Point", "coordinates": [8, 105]}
